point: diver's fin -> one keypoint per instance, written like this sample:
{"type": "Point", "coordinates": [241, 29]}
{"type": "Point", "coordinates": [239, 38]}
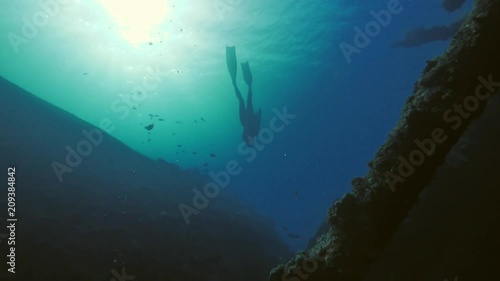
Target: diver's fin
{"type": "Point", "coordinates": [247, 74]}
{"type": "Point", "coordinates": [232, 65]}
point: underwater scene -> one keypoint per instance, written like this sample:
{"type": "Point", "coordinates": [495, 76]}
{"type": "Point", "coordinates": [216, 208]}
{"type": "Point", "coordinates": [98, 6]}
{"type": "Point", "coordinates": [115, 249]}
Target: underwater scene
{"type": "Point", "coordinates": [238, 140]}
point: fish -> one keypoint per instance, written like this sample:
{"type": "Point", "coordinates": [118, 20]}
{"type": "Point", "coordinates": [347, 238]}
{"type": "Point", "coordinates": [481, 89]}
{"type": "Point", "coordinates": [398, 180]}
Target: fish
{"type": "Point", "coordinates": [173, 134]}
{"type": "Point", "coordinates": [85, 73]}
{"type": "Point", "coordinates": [212, 155]}
{"type": "Point", "coordinates": [195, 121]}
{"type": "Point", "coordinates": [294, 236]}
{"type": "Point", "coordinates": [149, 127]}
{"type": "Point", "coordinates": [178, 122]}
{"type": "Point", "coordinates": [161, 119]}
{"type": "Point", "coordinates": [179, 145]}
{"type": "Point", "coordinates": [194, 152]}
{"type": "Point", "coordinates": [203, 119]}
{"type": "Point", "coordinates": [149, 139]}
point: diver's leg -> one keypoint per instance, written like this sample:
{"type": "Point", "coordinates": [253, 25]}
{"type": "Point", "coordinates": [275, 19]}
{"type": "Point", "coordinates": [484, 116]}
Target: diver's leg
{"type": "Point", "coordinates": [241, 107]}
{"type": "Point", "coordinates": [256, 122]}
{"type": "Point", "coordinates": [249, 101]}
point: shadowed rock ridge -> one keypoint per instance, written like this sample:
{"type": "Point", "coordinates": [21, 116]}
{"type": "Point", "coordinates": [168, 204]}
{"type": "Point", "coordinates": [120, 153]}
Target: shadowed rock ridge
{"type": "Point", "coordinates": [117, 210]}
{"type": "Point", "coordinates": [368, 223]}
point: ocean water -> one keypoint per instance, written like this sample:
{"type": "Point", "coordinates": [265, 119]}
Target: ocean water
{"type": "Point", "coordinates": [128, 64]}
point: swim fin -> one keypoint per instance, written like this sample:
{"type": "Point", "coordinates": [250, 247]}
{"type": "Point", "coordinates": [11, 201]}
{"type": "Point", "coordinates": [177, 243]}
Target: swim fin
{"type": "Point", "coordinates": [247, 74]}
{"type": "Point", "coordinates": [232, 65]}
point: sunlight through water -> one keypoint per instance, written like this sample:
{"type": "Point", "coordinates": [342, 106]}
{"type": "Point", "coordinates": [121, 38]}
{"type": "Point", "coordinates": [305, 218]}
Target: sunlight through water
{"type": "Point", "coordinates": [138, 20]}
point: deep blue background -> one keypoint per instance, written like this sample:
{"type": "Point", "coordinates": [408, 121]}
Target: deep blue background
{"type": "Point", "coordinates": [342, 121]}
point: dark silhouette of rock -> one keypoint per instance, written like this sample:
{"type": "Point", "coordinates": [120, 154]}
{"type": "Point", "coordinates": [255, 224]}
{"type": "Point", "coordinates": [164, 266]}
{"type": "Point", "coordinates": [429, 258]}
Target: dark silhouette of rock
{"type": "Point", "coordinates": [442, 220]}
{"type": "Point", "coordinates": [116, 209]}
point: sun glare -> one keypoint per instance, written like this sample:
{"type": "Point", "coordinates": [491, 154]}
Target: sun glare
{"type": "Point", "coordinates": [137, 19]}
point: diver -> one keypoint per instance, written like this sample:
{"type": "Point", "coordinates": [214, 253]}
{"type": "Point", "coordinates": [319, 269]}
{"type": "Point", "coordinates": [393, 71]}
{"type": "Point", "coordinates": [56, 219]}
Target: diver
{"type": "Point", "coordinates": [249, 119]}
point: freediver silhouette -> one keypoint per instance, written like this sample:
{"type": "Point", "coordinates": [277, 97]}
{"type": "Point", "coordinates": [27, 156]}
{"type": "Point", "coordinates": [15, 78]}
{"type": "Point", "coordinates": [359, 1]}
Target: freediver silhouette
{"type": "Point", "coordinates": [249, 119]}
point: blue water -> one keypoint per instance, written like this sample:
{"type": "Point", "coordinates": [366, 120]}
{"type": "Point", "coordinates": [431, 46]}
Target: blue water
{"type": "Point", "coordinates": [81, 62]}
{"type": "Point", "coordinates": [342, 120]}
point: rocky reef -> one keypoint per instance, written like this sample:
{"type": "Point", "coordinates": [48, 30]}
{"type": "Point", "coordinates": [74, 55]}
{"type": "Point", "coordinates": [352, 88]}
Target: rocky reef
{"type": "Point", "coordinates": [114, 213]}
{"type": "Point", "coordinates": [425, 211]}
